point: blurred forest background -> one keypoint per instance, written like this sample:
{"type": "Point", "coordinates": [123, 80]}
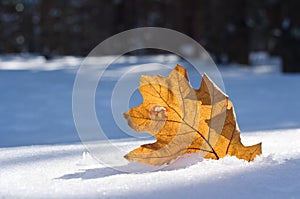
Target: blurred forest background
{"type": "Point", "coordinates": [229, 30]}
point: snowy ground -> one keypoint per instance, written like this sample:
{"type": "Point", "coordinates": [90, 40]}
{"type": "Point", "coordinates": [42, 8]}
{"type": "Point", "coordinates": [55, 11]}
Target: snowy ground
{"type": "Point", "coordinates": [41, 156]}
{"type": "Point", "coordinates": [64, 171]}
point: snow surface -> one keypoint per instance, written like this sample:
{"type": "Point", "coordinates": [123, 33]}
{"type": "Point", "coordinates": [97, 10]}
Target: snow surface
{"type": "Point", "coordinates": [41, 155]}
{"type": "Point", "coordinates": [66, 171]}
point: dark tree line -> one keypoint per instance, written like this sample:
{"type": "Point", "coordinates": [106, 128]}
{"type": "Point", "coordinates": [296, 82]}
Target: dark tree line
{"type": "Point", "coordinates": [229, 30]}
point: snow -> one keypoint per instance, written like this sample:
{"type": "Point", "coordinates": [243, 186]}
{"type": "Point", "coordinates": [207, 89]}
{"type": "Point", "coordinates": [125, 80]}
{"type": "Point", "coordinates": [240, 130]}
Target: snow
{"type": "Point", "coordinates": [41, 155]}
{"type": "Point", "coordinates": [66, 171]}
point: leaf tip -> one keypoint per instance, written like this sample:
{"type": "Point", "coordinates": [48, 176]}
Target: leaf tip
{"type": "Point", "coordinates": [126, 157]}
{"type": "Point", "coordinates": [181, 70]}
{"type": "Point", "coordinates": [126, 115]}
{"type": "Point", "coordinates": [209, 83]}
{"type": "Point", "coordinates": [143, 77]}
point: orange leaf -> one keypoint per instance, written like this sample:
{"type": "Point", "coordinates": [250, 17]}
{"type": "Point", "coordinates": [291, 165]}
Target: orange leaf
{"type": "Point", "coordinates": [184, 120]}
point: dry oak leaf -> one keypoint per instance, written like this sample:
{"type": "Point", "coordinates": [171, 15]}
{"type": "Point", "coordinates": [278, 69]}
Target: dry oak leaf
{"type": "Point", "coordinates": [185, 120]}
